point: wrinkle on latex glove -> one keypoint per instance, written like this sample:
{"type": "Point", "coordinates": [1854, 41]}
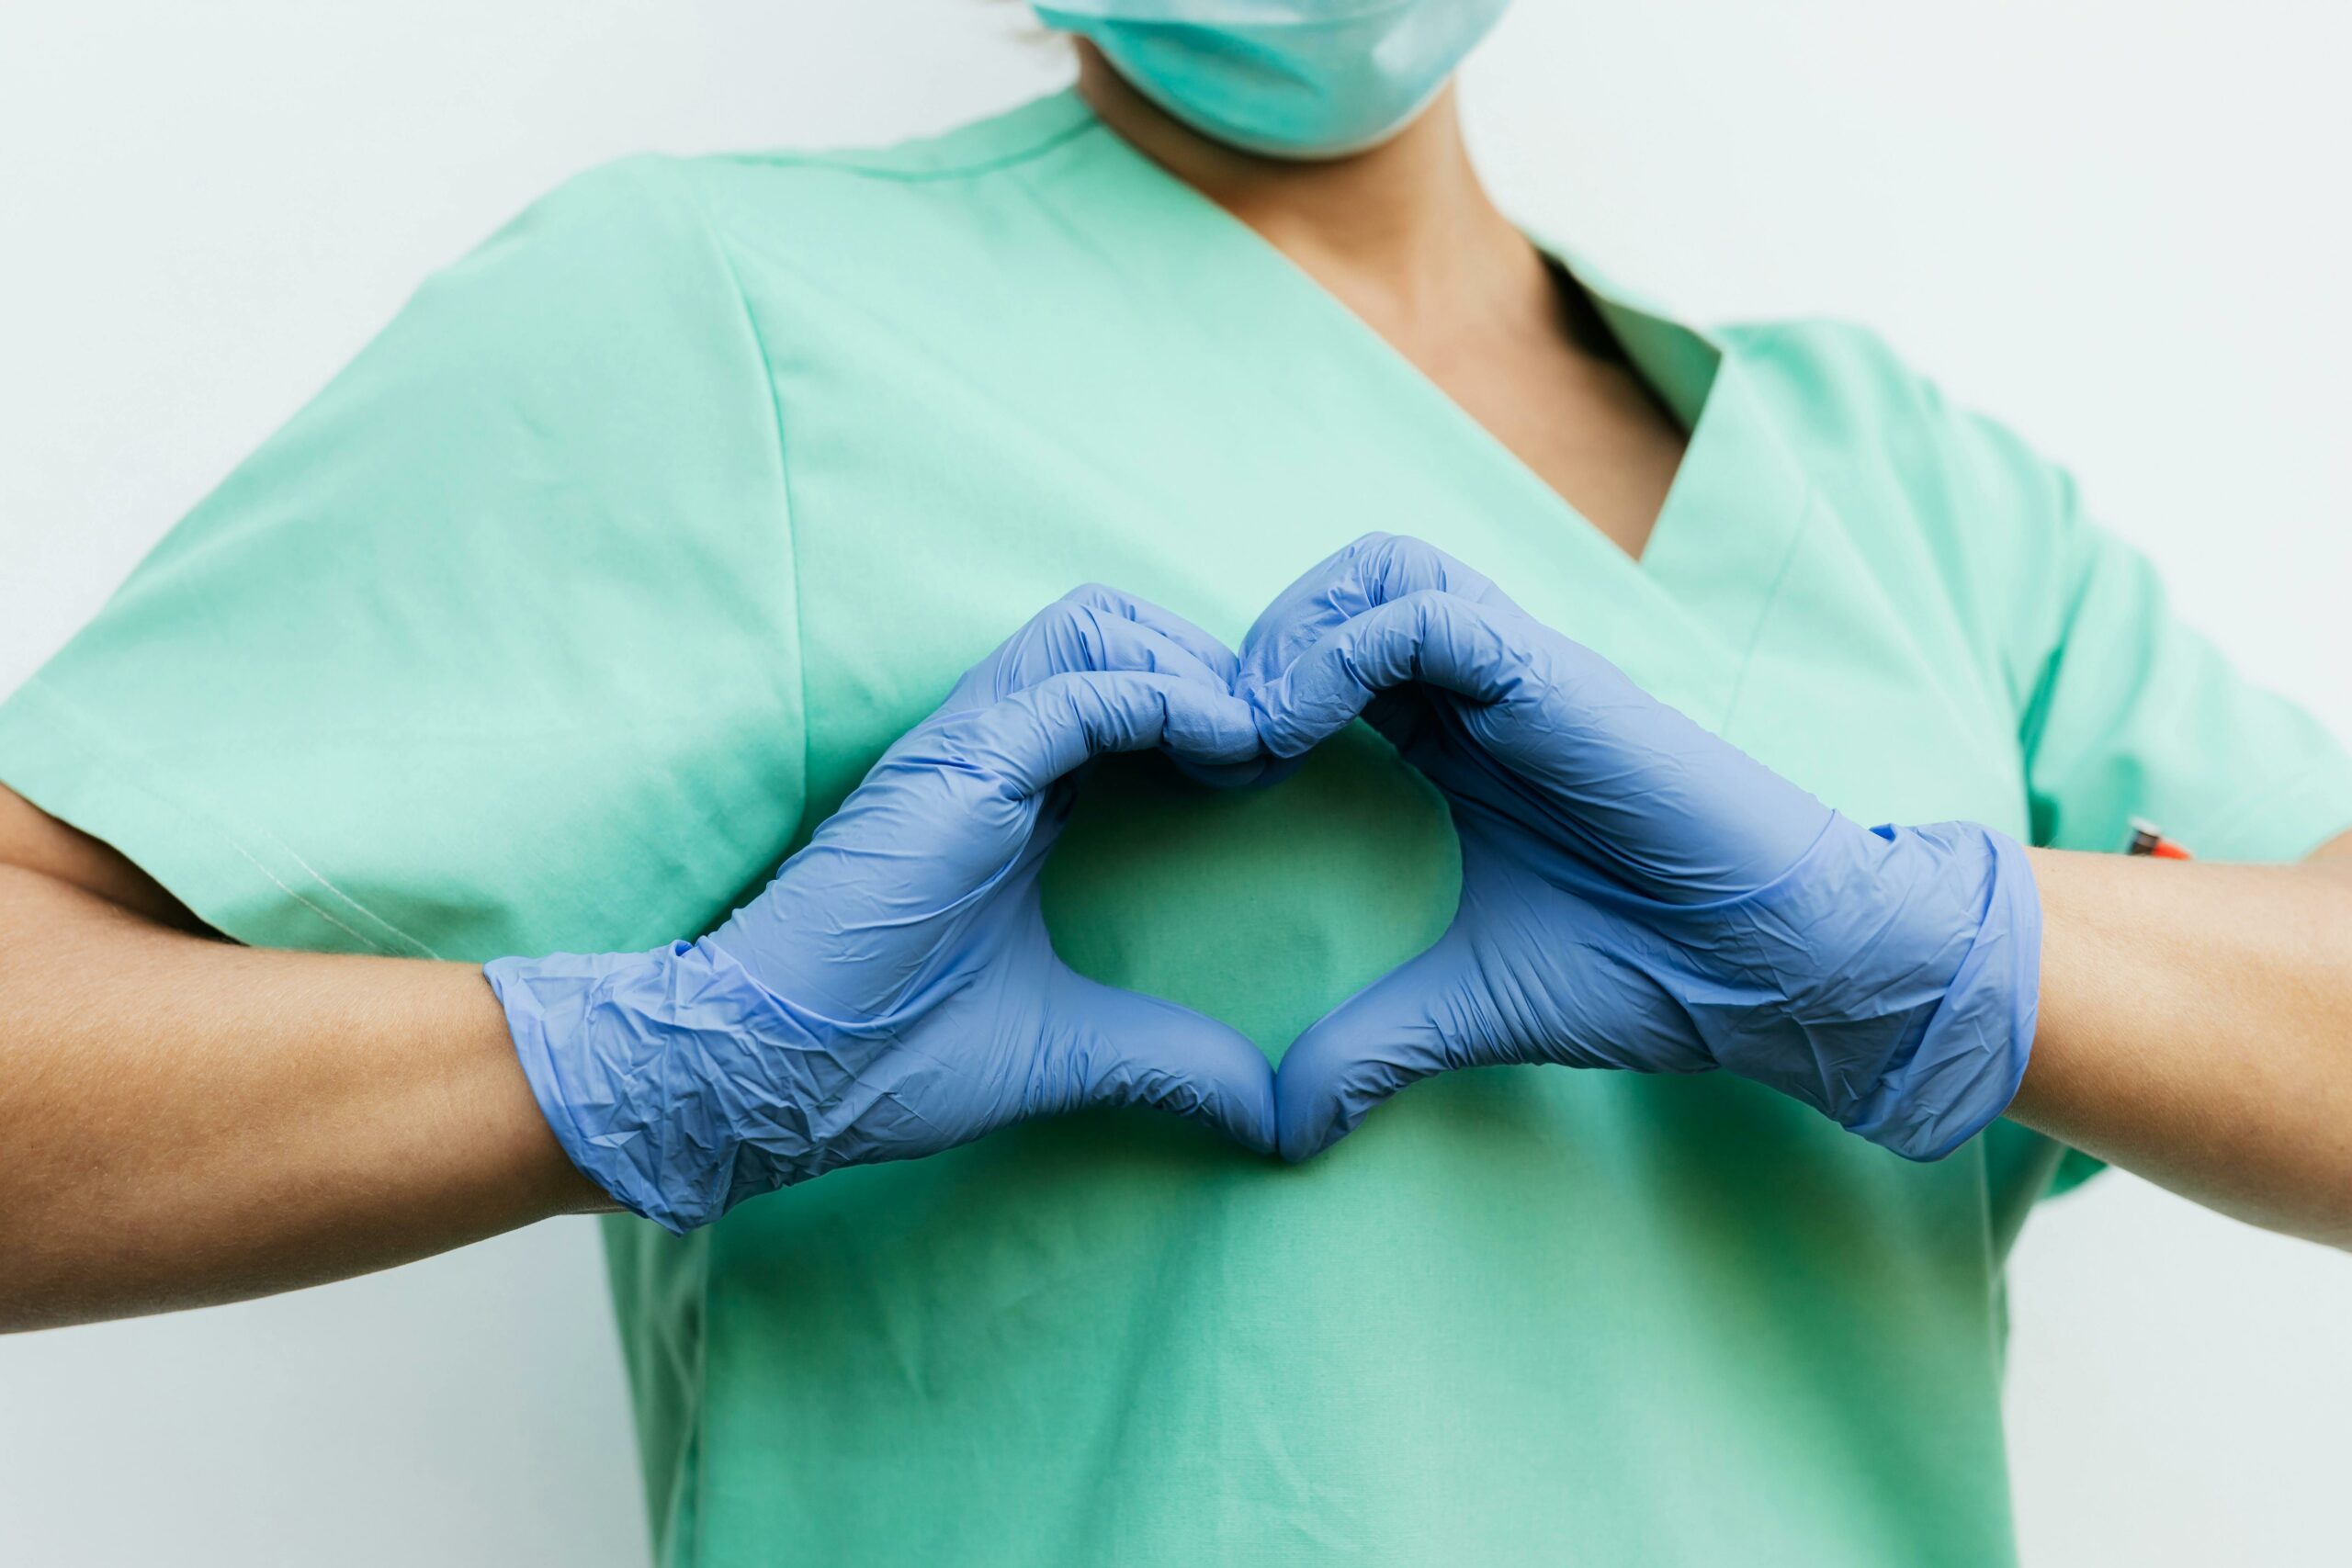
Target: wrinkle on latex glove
{"type": "Point", "coordinates": [893, 992]}
{"type": "Point", "coordinates": [1637, 893]}
{"type": "Point", "coordinates": [1095, 627]}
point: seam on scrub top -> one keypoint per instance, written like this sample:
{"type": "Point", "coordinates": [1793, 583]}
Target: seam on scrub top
{"type": "Point", "coordinates": [355, 904]}
{"type": "Point", "coordinates": [717, 242]}
{"type": "Point", "coordinates": [137, 777]}
{"type": "Point", "coordinates": [373, 945]}
{"type": "Point", "coordinates": [840, 163]}
{"type": "Point", "coordinates": [313, 872]}
{"type": "Point", "coordinates": [1772, 598]}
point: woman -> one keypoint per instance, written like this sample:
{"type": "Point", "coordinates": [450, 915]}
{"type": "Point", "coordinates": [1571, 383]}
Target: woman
{"type": "Point", "coordinates": [605, 577]}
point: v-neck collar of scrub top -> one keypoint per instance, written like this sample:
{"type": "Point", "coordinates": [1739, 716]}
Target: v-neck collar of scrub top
{"type": "Point", "coordinates": [1732, 517]}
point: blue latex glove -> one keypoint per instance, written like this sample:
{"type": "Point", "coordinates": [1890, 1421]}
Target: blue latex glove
{"type": "Point", "coordinates": [1637, 893]}
{"type": "Point", "coordinates": [893, 993]}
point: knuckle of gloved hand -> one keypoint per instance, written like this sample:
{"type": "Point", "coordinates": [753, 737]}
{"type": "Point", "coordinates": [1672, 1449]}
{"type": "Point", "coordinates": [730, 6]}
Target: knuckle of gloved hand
{"type": "Point", "coordinates": [1394, 641]}
{"type": "Point", "coordinates": [1431, 606]}
{"type": "Point", "coordinates": [1099, 707]}
{"type": "Point", "coordinates": [1074, 635]}
{"type": "Point", "coordinates": [1404, 565]}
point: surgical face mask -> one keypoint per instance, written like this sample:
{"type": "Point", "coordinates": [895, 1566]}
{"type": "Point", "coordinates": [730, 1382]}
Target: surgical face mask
{"type": "Point", "coordinates": [1287, 78]}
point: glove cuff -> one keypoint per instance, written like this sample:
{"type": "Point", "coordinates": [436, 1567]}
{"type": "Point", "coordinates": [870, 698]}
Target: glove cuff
{"type": "Point", "coordinates": [635, 1059]}
{"type": "Point", "coordinates": [1963, 1068]}
{"type": "Point", "coordinates": [1892, 977]}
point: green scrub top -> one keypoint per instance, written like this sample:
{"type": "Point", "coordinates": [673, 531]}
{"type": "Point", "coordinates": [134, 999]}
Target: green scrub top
{"type": "Point", "coordinates": [602, 575]}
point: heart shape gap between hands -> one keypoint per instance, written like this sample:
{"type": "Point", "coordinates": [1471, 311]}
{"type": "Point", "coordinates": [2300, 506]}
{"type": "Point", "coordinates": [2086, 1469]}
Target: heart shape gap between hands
{"type": "Point", "coordinates": [1636, 893]}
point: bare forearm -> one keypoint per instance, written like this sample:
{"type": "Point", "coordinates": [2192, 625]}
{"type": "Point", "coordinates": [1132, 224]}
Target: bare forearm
{"type": "Point", "coordinates": [191, 1122]}
{"type": "Point", "coordinates": [2196, 1029]}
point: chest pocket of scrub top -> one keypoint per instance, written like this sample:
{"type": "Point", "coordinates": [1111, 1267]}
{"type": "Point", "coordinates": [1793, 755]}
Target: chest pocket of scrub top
{"type": "Point", "coordinates": [1262, 908]}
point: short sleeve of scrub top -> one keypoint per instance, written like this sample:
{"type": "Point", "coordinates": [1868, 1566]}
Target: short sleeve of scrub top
{"type": "Point", "coordinates": [2127, 713]}
{"type": "Point", "coordinates": [491, 648]}
{"type": "Point", "coordinates": [564, 612]}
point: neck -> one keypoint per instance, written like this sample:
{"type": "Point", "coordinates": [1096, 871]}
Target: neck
{"type": "Point", "coordinates": [1404, 233]}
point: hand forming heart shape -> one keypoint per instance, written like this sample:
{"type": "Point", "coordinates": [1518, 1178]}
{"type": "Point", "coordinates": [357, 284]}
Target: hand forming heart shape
{"type": "Point", "coordinates": [1636, 892]}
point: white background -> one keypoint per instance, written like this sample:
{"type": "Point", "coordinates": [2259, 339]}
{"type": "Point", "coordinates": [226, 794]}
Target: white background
{"type": "Point", "coordinates": [2121, 226]}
